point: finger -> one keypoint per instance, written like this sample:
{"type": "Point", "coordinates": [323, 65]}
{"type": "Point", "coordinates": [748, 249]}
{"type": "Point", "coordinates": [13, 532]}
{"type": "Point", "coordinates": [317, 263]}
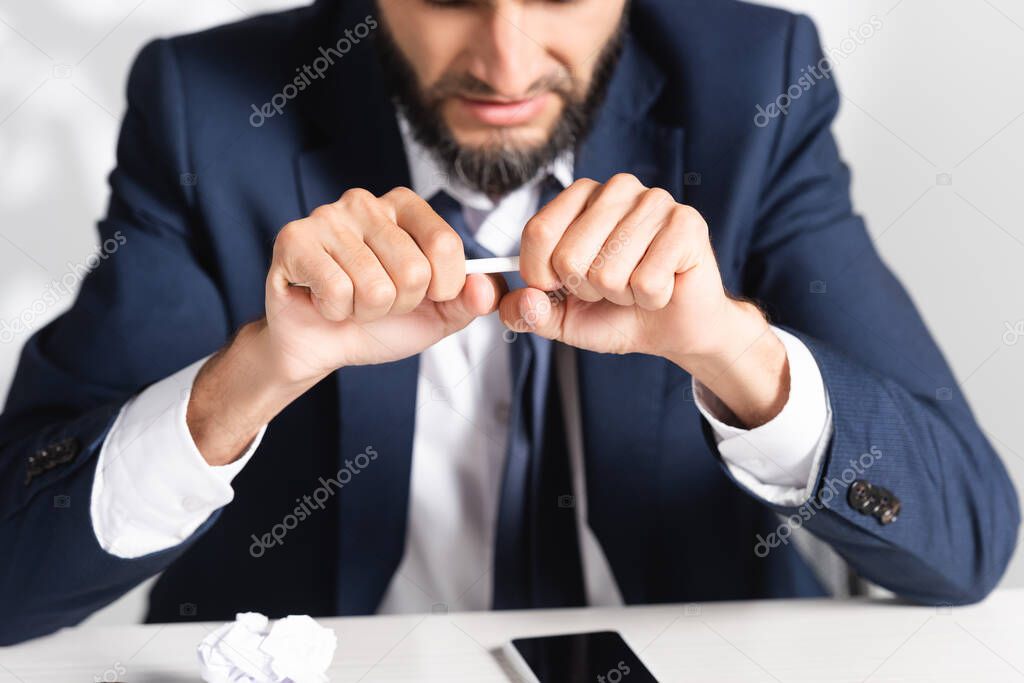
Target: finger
{"type": "Point", "coordinates": [330, 295]}
{"type": "Point", "coordinates": [581, 244]}
{"type": "Point", "coordinates": [373, 290]}
{"type": "Point", "coordinates": [480, 296]}
{"type": "Point", "coordinates": [543, 232]}
{"type": "Point", "coordinates": [681, 246]}
{"type": "Point", "coordinates": [360, 213]}
{"type": "Point", "coordinates": [531, 310]}
{"type": "Point", "coordinates": [438, 241]}
{"type": "Point", "coordinates": [483, 293]}
{"type": "Point", "coordinates": [333, 299]}
{"type": "Point", "coordinates": [621, 253]}
{"type": "Point", "coordinates": [404, 262]}
{"type": "Point", "coordinates": [300, 260]}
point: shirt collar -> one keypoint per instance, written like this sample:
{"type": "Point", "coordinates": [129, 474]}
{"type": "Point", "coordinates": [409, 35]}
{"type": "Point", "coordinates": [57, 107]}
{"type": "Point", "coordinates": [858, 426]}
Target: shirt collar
{"type": "Point", "coordinates": [428, 178]}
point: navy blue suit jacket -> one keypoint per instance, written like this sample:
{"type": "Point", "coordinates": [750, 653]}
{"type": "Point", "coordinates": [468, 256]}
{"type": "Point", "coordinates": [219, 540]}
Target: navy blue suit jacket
{"type": "Point", "coordinates": [199, 194]}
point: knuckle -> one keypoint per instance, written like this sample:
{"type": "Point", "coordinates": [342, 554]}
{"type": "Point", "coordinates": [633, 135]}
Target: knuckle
{"type": "Point", "coordinates": [564, 262]}
{"type": "Point", "coordinates": [624, 181]}
{"type": "Point", "coordinates": [335, 289]}
{"type": "Point", "coordinates": [414, 273]}
{"type": "Point", "coordinates": [606, 279]}
{"type": "Point", "coordinates": [541, 229]}
{"type": "Point", "coordinates": [584, 183]}
{"type": "Point", "coordinates": [645, 284]}
{"type": "Point", "coordinates": [326, 213]}
{"type": "Point", "coordinates": [379, 294]}
{"type": "Point", "coordinates": [443, 244]}
{"type": "Point", "coordinates": [357, 196]}
{"type": "Point", "coordinates": [688, 217]}
{"type": "Point", "coordinates": [658, 196]}
{"type": "Point", "coordinates": [288, 236]}
{"type": "Point", "coordinates": [402, 194]}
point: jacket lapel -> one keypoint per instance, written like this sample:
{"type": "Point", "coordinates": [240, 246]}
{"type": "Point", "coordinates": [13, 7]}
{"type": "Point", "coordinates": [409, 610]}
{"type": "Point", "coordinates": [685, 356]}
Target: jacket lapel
{"type": "Point", "coordinates": [360, 146]}
{"type": "Point", "coordinates": [621, 397]}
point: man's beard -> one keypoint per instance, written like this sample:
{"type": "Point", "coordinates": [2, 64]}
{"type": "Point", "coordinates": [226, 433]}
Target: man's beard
{"type": "Point", "coordinates": [499, 167]}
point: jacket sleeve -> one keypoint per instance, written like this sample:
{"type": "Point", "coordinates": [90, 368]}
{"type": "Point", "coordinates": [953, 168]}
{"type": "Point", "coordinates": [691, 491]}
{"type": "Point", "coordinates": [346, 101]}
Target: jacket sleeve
{"type": "Point", "coordinates": [148, 308]}
{"type": "Point", "coordinates": [900, 421]}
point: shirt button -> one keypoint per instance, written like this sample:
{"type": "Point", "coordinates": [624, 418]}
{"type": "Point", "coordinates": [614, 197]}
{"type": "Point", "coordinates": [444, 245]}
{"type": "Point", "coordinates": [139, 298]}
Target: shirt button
{"type": "Point", "coordinates": [191, 504]}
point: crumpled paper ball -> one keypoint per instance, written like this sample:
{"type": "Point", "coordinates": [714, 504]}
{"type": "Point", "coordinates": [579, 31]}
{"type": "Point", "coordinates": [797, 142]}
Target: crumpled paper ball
{"type": "Point", "coordinates": [295, 649]}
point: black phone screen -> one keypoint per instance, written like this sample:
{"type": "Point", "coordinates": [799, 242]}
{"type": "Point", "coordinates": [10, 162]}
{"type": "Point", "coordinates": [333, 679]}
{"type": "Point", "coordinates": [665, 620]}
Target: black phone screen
{"type": "Point", "coordinates": [599, 657]}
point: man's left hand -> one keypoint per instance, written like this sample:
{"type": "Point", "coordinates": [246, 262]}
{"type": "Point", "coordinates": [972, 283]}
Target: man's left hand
{"type": "Point", "coordinates": [622, 268]}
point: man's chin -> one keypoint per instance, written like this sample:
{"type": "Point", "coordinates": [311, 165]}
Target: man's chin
{"type": "Point", "coordinates": [503, 141]}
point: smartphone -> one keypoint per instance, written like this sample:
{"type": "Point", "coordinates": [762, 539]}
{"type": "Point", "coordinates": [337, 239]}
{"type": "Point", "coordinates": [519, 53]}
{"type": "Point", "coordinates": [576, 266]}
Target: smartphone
{"type": "Point", "coordinates": [598, 657]}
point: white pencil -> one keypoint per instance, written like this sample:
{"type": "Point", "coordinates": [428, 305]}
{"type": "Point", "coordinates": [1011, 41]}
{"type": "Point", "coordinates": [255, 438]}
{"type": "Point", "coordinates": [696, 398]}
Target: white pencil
{"type": "Point", "coordinates": [486, 266]}
{"type": "Point", "coordinates": [505, 264]}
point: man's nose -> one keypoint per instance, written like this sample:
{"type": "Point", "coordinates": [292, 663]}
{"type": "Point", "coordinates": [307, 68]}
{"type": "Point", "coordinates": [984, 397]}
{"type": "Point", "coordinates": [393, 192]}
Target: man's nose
{"type": "Point", "coordinates": [509, 58]}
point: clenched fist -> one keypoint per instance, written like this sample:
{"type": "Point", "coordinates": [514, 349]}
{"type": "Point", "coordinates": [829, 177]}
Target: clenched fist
{"type": "Point", "coordinates": [364, 280]}
{"type": "Point", "coordinates": [368, 280]}
{"type": "Point", "coordinates": [622, 268]}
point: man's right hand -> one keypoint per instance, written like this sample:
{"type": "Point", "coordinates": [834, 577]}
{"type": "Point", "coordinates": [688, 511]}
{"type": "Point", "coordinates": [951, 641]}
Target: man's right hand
{"type": "Point", "coordinates": [362, 281]}
{"type": "Point", "coordinates": [381, 279]}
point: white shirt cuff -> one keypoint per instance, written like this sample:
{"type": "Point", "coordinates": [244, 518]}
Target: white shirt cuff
{"type": "Point", "coordinates": [780, 460]}
{"type": "Point", "coordinates": [153, 488]}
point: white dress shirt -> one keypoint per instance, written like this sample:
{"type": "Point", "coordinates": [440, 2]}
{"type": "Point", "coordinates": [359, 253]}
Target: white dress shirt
{"type": "Point", "coordinates": [153, 488]}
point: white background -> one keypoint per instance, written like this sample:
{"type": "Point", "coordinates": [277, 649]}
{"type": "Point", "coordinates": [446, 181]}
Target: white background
{"type": "Point", "coordinates": [932, 124]}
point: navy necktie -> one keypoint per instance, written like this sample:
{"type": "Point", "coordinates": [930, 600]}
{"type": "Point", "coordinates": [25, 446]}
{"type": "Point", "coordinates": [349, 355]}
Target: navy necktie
{"type": "Point", "coordinates": [536, 556]}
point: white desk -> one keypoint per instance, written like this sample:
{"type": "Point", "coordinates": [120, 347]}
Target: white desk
{"type": "Point", "coordinates": [794, 640]}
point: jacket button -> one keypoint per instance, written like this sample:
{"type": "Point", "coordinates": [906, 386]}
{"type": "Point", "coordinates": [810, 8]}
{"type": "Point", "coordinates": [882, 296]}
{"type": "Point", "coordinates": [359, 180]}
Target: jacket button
{"type": "Point", "coordinates": [57, 453]}
{"type": "Point", "coordinates": [890, 513]}
{"type": "Point", "coordinates": [859, 497]}
{"type": "Point", "coordinates": [64, 451]}
{"type": "Point", "coordinates": [876, 501]}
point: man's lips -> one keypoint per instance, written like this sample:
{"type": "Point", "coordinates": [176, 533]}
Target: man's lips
{"type": "Point", "coordinates": [504, 112]}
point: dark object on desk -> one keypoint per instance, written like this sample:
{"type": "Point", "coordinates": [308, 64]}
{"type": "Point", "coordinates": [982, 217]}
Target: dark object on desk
{"type": "Point", "coordinates": [601, 656]}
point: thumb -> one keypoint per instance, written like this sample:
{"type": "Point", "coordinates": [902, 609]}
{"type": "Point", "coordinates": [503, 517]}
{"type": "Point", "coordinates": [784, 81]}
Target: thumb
{"type": "Point", "coordinates": [530, 310]}
{"type": "Point", "coordinates": [479, 296]}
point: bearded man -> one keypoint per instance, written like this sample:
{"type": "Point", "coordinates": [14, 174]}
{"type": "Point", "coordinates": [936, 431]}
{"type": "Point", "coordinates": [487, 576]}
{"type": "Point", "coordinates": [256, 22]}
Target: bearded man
{"type": "Point", "coordinates": [623, 419]}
